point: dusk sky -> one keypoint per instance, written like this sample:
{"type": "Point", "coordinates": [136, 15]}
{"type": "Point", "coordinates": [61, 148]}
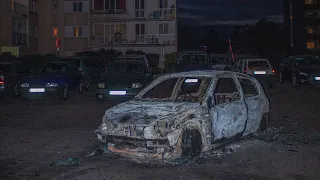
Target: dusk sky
{"type": "Point", "coordinates": [228, 12]}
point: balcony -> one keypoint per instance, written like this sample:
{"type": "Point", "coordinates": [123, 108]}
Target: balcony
{"type": "Point", "coordinates": [20, 8]}
{"type": "Point", "coordinates": [163, 13]}
{"type": "Point", "coordinates": [109, 14]}
{"type": "Point", "coordinates": [147, 39]}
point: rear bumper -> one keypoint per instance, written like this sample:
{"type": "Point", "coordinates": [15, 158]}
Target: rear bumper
{"type": "Point", "coordinates": [49, 92]}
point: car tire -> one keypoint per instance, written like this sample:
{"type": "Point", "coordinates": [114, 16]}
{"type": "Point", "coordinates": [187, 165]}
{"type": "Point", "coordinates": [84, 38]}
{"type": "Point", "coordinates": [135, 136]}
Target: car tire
{"type": "Point", "coordinates": [87, 84]}
{"type": "Point", "coordinates": [264, 123]}
{"type": "Point", "coordinates": [65, 93]}
{"type": "Point", "coordinates": [16, 91]}
{"type": "Point", "coordinates": [80, 88]}
{"type": "Point", "coordinates": [99, 100]}
{"type": "Point", "coordinates": [191, 144]}
{"type": "Point", "coordinates": [295, 81]}
{"type": "Point", "coordinates": [280, 77]}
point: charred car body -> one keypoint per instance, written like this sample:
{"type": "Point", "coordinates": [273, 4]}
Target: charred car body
{"type": "Point", "coordinates": [55, 78]}
{"type": "Point", "coordinates": [124, 80]}
{"type": "Point", "coordinates": [185, 114]}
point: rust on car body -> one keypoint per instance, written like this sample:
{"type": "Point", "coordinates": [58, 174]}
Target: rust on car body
{"type": "Point", "coordinates": [220, 107]}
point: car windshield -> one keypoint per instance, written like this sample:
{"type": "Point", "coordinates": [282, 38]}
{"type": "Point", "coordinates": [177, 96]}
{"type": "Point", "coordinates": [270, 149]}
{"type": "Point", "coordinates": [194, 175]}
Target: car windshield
{"type": "Point", "coordinates": [308, 61]}
{"type": "Point", "coordinates": [258, 64]}
{"type": "Point", "coordinates": [127, 68]}
{"type": "Point", "coordinates": [198, 58]}
{"type": "Point", "coordinates": [74, 60]}
{"type": "Point", "coordinates": [54, 69]}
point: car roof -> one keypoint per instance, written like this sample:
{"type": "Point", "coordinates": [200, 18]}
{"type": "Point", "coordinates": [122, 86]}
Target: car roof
{"type": "Point", "coordinates": [204, 73]}
{"type": "Point", "coordinates": [297, 56]}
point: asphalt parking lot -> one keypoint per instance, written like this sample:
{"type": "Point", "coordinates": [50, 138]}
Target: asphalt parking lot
{"type": "Point", "coordinates": [35, 135]}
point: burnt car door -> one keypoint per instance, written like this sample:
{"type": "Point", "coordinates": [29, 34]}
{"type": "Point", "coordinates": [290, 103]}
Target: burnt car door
{"type": "Point", "coordinates": [253, 100]}
{"type": "Point", "coordinates": [228, 109]}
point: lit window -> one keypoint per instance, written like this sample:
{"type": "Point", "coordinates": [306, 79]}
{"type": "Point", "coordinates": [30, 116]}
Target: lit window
{"type": "Point", "coordinates": [77, 31]}
{"type": "Point", "coordinates": [55, 31]}
{"type": "Point", "coordinates": [310, 1]}
{"type": "Point", "coordinates": [311, 45]}
{"type": "Point", "coordinates": [310, 30]}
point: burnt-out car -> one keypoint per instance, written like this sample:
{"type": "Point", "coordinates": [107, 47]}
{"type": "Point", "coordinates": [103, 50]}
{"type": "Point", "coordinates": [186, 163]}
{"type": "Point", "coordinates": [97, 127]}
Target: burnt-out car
{"type": "Point", "coordinates": [186, 114]}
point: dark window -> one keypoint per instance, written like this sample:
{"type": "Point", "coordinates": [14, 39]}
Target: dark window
{"type": "Point", "coordinates": [75, 7]}
{"type": "Point", "coordinates": [5, 68]}
{"type": "Point", "coordinates": [258, 64]}
{"type": "Point", "coordinates": [248, 87]}
{"type": "Point", "coordinates": [121, 4]}
{"type": "Point", "coordinates": [194, 58]}
{"type": "Point", "coordinates": [162, 91]}
{"type": "Point", "coordinates": [98, 5]}
{"type": "Point", "coordinates": [193, 89]}
{"type": "Point", "coordinates": [226, 91]}
{"type": "Point", "coordinates": [70, 70]}
{"type": "Point", "coordinates": [128, 68]}
{"type": "Point", "coordinates": [92, 63]}
{"type": "Point", "coordinates": [80, 6]}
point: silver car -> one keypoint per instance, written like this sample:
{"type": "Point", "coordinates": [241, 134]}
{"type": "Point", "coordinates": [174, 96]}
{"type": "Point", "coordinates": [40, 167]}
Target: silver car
{"type": "Point", "coordinates": [185, 114]}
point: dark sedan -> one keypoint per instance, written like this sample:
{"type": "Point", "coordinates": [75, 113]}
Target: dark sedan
{"type": "Point", "coordinates": [303, 69]}
{"type": "Point", "coordinates": [55, 78]}
{"type": "Point", "coordinates": [123, 80]}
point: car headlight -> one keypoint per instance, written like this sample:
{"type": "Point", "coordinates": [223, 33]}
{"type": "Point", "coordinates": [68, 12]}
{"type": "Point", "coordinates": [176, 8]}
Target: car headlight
{"type": "Point", "coordinates": [24, 85]}
{"type": "Point", "coordinates": [101, 85]}
{"type": "Point", "coordinates": [303, 74]}
{"type": "Point", "coordinates": [136, 85]}
{"type": "Point", "coordinates": [52, 85]}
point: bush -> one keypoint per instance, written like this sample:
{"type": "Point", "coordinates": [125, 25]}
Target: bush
{"type": "Point", "coordinates": [153, 60]}
{"type": "Point", "coordinates": [170, 61]}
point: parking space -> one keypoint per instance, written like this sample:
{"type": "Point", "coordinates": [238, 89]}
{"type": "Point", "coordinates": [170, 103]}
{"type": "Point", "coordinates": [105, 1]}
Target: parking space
{"type": "Point", "coordinates": [34, 135]}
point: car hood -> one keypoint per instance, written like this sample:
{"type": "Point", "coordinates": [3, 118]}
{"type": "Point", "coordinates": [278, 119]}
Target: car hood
{"type": "Point", "coordinates": [146, 112]}
{"type": "Point", "coordinates": [310, 69]}
{"type": "Point", "coordinates": [43, 79]}
{"type": "Point", "coordinates": [121, 81]}
{"type": "Point", "coordinates": [192, 67]}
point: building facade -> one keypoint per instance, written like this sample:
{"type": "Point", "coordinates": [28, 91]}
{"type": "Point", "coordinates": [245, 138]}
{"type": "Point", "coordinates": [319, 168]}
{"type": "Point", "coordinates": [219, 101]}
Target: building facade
{"type": "Point", "coordinates": [302, 24]}
{"type": "Point", "coordinates": [15, 24]}
{"type": "Point", "coordinates": [150, 26]}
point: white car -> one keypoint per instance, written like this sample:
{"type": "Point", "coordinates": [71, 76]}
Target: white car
{"type": "Point", "coordinates": [185, 114]}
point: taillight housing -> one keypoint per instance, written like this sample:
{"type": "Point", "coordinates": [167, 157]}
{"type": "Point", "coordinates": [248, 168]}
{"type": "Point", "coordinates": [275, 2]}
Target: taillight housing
{"type": "Point", "coordinates": [245, 71]}
{"type": "Point", "coordinates": [1, 81]}
{"type": "Point", "coordinates": [273, 71]}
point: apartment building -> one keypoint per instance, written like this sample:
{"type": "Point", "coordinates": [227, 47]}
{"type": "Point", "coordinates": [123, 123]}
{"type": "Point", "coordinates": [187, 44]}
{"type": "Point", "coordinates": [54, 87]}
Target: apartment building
{"type": "Point", "coordinates": [302, 22]}
{"type": "Point", "coordinates": [144, 25]}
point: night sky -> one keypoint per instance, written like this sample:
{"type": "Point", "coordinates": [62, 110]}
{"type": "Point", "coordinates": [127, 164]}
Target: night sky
{"type": "Point", "coordinates": [228, 12]}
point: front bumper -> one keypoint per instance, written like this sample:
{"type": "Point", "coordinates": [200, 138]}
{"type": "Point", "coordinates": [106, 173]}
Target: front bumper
{"type": "Point", "coordinates": [48, 92]}
{"type": "Point", "coordinates": [143, 148]}
{"type": "Point", "coordinates": [104, 94]}
{"type": "Point", "coordinates": [310, 79]}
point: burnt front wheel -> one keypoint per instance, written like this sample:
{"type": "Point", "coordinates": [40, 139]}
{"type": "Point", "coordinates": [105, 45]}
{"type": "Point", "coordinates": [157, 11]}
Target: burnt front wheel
{"type": "Point", "coordinates": [264, 123]}
{"type": "Point", "coordinates": [191, 144]}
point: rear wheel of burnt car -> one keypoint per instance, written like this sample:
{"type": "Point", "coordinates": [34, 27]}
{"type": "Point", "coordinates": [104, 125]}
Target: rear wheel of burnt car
{"type": "Point", "coordinates": [191, 143]}
{"type": "Point", "coordinates": [264, 123]}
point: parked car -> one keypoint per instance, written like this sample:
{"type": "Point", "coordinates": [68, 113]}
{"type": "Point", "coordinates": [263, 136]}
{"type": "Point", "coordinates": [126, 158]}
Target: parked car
{"type": "Point", "coordinates": [300, 69]}
{"type": "Point", "coordinates": [2, 83]}
{"type": "Point", "coordinates": [259, 68]}
{"type": "Point", "coordinates": [55, 78]}
{"type": "Point", "coordinates": [91, 67]}
{"type": "Point", "coordinates": [13, 71]}
{"type": "Point", "coordinates": [193, 60]}
{"type": "Point", "coordinates": [220, 63]}
{"type": "Point", "coordinates": [124, 79]}
{"type": "Point", "coordinates": [185, 114]}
